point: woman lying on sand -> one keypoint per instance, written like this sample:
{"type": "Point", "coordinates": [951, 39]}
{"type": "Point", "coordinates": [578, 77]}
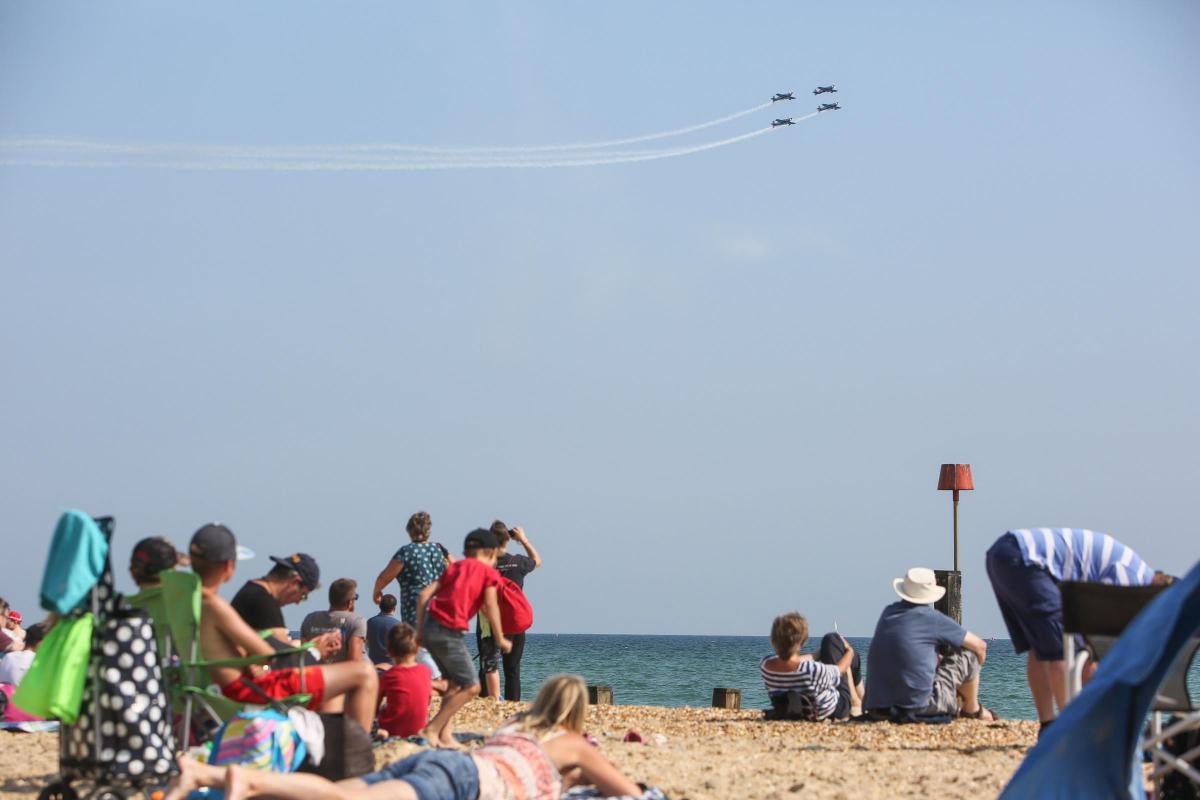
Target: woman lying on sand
{"type": "Point", "coordinates": [527, 759]}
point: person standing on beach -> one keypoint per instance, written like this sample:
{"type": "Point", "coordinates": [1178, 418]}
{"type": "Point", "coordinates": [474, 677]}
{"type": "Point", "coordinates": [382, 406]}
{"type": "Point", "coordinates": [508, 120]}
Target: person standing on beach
{"type": "Point", "coordinates": [414, 566]}
{"type": "Point", "coordinates": [906, 678]}
{"type": "Point", "coordinates": [515, 568]}
{"type": "Point", "coordinates": [1025, 567]}
{"type": "Point", "coordinates": [444, 612]}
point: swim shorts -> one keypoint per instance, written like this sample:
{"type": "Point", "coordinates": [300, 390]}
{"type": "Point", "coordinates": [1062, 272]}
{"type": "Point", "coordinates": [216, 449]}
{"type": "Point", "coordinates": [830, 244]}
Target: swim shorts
{"type": "Point", "coordinates": [277, 685]}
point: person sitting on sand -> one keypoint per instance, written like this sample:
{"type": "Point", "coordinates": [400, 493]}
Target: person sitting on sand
{"type": "Point", "coordinates": [224, 635]}
{"type": "Point", "coordinates": [906, 677]}
{"type": "Point", "coordinates": [530, 757]}
{"type": "Point", "coordinates": [406, 688]}
{"type": "Point", "coordinates": [444, 612]}
{"type": "Point", "coordinates": [151, 556]}
{"type": "Point", "coordinates": [260, 602]}
{"type": "Point", "coordinates": [801, 687]}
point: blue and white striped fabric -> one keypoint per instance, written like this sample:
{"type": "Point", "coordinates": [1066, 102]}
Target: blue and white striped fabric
{"type": "Point", "coordinates": [1075, 554]}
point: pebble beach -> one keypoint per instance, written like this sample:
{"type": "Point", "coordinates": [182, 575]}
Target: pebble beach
{"type": "Point", "coordinates": [718, 754]}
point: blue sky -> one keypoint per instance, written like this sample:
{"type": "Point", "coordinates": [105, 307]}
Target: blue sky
{"type": "Point", "coordinates": [712, 388]}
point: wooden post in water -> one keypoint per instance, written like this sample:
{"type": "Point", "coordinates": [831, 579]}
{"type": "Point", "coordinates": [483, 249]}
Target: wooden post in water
{"type": "Point", "coordinates": [600, 695]}
{"type": "Point", "coordinates": [951, 602]}
{"type": "Point", "coordinates": [727, 698]}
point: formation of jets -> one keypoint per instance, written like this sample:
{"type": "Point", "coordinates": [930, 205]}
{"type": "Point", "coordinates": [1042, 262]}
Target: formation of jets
{"type": "Point", "coordinates": [775, 98]}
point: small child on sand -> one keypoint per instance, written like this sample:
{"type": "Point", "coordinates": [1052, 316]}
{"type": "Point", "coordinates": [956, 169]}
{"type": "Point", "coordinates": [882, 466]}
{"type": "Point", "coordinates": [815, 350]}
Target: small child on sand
{"type": "Point", "coordinates": [405, 689]}
{"type": "Point", "coordinates": [800, 687]}
{"type": "Point", "coordinates": [444, 612]}
{"type": "Point", "coordinates": [224, 635]}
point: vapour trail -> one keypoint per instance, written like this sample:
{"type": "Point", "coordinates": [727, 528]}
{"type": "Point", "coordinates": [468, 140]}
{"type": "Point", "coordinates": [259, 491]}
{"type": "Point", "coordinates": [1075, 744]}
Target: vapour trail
{"type": "Point", "coordinates": [389, 164]}
{"type": "Point", "coordinates": [351, 150]}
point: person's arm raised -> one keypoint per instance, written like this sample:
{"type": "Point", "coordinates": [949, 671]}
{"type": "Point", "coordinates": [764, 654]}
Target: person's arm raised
{"type": "Point", "coordinates": [518, 533]}
{"type": "Point", "coordinates": [393, 568]}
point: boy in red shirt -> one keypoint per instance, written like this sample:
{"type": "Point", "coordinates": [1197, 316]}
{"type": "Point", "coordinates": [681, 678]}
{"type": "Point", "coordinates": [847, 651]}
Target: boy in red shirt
{"type": "Point", "coordinates": [445, 609]}
{"type": "Point", "coordinates": [406, 687]}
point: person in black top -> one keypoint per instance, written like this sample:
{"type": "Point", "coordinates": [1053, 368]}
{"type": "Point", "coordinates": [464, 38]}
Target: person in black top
{"type": "Point", "coordinates": [515, 568]}
{"type": "Point", "coordinates": [260, 602]}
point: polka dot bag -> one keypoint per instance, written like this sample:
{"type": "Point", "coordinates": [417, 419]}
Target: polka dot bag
{"type": "Point", "coordinates": [124, 726]}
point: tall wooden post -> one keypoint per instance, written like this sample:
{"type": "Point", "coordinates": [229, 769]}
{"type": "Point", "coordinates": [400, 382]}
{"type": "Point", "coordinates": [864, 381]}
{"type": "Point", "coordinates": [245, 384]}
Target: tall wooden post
{"type": "Point", "coordinates": [951, 602]}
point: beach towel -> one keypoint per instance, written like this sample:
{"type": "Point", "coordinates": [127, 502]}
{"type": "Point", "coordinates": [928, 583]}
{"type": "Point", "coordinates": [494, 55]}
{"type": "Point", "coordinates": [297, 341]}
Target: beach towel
{"type": "Point", "coordinates": [592, 793]}
{"type": "Point", "coordinates": [78, 556]}
{"type": "Point", "coordinates": [260, 739]}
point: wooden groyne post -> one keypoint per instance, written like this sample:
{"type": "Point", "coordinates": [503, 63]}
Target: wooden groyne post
{"type": "Point", "coordinates": [727, 698]}
{"type": "Point", "coordinates": [600, 695]}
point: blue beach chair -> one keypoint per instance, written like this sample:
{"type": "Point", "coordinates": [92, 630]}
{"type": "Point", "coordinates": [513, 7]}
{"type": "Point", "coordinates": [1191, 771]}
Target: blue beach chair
{"type": "Point", "coordinates": [1093, 750]}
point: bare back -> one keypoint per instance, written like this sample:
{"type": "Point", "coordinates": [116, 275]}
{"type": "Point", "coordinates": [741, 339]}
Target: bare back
{"type": "Point", "coordinates": [224, 634]}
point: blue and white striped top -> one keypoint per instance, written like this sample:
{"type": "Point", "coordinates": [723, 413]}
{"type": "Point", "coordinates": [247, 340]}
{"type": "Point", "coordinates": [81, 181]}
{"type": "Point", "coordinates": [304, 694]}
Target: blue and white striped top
{"type": "Point", "coordinates": [1075, 554]}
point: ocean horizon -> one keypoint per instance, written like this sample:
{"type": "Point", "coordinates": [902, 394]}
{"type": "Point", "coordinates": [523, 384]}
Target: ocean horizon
{"type": "Point", "coordinates": [677, 670]}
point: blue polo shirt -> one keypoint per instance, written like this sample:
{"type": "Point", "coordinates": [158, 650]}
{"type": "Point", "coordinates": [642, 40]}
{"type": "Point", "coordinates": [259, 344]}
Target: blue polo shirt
{"type": "Point", "coordinates": [377, 634]}
{"type": "Point", "coordinates": [903, 654]}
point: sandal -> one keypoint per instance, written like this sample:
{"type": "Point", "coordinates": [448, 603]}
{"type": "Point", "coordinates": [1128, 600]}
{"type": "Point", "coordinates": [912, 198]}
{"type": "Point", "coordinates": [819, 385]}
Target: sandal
{"type": "Point", "coordinates": [978, 713]}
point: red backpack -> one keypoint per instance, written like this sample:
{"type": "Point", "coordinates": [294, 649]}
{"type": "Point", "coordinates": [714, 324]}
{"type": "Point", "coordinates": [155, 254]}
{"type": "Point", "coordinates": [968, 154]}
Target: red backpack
{"type": "Point", "coordinates": [516, 615]}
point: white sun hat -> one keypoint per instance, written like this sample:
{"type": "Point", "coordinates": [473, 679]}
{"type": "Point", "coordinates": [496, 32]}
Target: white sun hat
{"type": "Point", "coordinates": [919, 586]}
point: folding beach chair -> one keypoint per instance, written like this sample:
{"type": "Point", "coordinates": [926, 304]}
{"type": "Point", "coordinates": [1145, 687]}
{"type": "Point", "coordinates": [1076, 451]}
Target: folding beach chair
{"type": "Point", "coordinates": [174, 606]}
{"type": "Point", "coordinates": [1092, 750]}
{"type": "Point", "coordinates": [1100, 613]}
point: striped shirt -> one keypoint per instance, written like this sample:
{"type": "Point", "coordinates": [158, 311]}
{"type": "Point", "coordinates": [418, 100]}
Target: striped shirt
{"type": "Point", "coordinates": [818, 681]}
{"type": "Point", "coordinates": [1075, 554]}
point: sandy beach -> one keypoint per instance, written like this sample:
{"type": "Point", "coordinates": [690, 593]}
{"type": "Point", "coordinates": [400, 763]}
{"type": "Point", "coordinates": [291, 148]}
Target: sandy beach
{"type": "Point", "coordinates": [714, 754]}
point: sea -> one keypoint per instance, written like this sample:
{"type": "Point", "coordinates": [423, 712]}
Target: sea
{"type": "Point", "coordinates": [678, 671]}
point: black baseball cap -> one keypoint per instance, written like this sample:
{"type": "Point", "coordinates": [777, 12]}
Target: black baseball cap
{"type": "Point", "coordinates": [214, 542]}
{"type": "Point", "coordinates": [480, 539]}
{"type": "Point", "coordinates": [151, 556]}
{"type": "Point", "coordinates": [305, 566]}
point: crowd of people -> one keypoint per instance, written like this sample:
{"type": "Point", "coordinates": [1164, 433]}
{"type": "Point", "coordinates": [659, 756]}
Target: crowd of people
{"type": "Point", "coordinates": [922, 665]}
{"type": "Point", "coordinates": [381, 672]}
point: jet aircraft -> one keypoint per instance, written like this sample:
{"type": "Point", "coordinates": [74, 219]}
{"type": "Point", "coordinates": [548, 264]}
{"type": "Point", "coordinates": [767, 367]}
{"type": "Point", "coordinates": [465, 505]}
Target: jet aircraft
{"type": "Point", "coordinates": [779, 122]}
{"type": "Point", "coordinates": [783, 96]}
{"type": "Point", "coordinates": [828, 107]}
{"type": "Point", "coordinates": [824, 89]}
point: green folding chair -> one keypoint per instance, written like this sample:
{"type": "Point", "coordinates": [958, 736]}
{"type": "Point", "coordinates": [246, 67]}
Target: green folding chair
{"type": "Point", "coordinates": [174, 606]}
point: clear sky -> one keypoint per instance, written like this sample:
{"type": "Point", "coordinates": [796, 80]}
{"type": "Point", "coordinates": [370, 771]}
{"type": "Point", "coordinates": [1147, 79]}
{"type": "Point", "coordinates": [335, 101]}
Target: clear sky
{"type": "Point", "coordinates": [712, 387]}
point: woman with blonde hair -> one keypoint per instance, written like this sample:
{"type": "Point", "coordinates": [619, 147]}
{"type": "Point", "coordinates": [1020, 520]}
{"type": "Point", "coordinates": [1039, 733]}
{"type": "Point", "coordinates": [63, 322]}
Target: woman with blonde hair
{"type": "Point", "coordinates": [525, 759]}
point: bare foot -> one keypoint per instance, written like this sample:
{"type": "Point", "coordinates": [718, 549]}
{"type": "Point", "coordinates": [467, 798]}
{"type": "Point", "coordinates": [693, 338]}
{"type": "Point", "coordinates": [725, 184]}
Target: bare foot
{"type": "Point", "coordinates": [237, 783]}
{"type": "Point", "coordinates": [430, 735]}
{"type": "Point", "coordinates": [448, 743]}
{"type": "Point", "coordinates": [192, 776]}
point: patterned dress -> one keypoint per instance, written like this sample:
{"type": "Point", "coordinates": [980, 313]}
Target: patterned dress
{"type": "Point", "coordinates": [424, 563]}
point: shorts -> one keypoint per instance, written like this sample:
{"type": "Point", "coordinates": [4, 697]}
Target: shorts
{"type": "Point", "coordinates": [1029, 600]}
{"type": "Point", "coordinates": [433, 775]}
{"type": "Point", "coordinates": [278, 684]}
{"type": "Point", "coordinates": [955, 670]}
{"type": "Point", "coordinates": [450, 652]}
{"type": "Point", "coordinates": [489, 654]}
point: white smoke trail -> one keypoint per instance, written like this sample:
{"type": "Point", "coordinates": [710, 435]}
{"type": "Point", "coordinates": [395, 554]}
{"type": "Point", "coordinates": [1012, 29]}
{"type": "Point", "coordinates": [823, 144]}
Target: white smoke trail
{"type": "Point", "coordinates": [221, 160]}
{"type": "Point", "coordinates": [346, 151]}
